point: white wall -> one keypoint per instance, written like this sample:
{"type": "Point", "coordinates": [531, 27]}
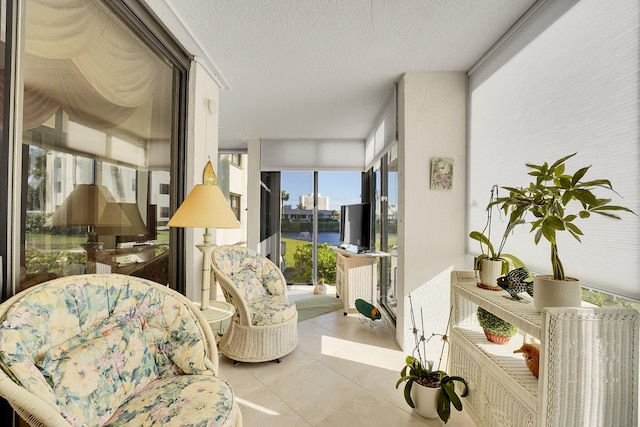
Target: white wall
{"type": "Point", "coordinates": [202, 144]}
{"type": "Point", "coordinates": [431, 229]}
{"type": "Point", "coordinates": [253, 195]}
{"type": "Point", "coordinates": [237, 185]}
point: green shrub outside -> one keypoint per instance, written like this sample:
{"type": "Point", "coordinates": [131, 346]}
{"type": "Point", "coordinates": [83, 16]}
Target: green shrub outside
{"type": "Point", "coordinates": [52, 262]}
{"type": "Point", "coordinates": [303, 258]}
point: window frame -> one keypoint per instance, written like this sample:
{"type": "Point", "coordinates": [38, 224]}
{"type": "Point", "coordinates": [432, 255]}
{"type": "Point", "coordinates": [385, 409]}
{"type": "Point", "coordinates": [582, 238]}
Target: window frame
{"type": "Point", "coordinates": [144, 23]}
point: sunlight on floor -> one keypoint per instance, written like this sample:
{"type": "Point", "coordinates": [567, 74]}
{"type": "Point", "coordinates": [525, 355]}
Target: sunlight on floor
{"type": "Point", "coordinates": [256, 407]}
{"type": "Point", "coordinates": [360, 353]}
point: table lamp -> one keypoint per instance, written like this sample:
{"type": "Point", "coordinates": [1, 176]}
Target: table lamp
{"type": "Point", "coordinates": [130, 224]}
{"type": "Point", "coordinates": [91, 206]}
{"type": "Point", "coordinates": [205, 207]}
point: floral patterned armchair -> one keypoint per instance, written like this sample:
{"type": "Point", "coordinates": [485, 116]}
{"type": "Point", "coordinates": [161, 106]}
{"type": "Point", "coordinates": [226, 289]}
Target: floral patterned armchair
{"type": "Point", "coordinates": [97, 350]}
{"type": "Point", "coordinates": [265, 325]}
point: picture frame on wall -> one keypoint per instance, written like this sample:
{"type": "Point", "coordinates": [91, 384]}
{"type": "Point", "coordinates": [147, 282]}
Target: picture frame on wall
{"type": "Point", "coordinates": [442, 173]}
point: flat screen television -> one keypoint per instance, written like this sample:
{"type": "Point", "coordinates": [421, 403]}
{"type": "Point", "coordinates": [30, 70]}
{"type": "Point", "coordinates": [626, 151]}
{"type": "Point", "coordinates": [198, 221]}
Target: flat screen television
{"type": "Point", "coordinates": [356, 225]}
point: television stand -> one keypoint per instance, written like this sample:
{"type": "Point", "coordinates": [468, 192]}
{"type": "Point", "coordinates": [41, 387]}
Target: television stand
{"type": "Point", "coordinates": [356, 277]}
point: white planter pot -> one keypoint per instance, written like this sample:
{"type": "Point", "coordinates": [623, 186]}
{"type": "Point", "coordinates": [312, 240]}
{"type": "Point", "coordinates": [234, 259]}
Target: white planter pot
{"type": "Point", "coordinates": [548, 292]}
{"type": "Point", "coordinates": [490, 270]}
{"type": "Point", "coordinates": [425, 399]}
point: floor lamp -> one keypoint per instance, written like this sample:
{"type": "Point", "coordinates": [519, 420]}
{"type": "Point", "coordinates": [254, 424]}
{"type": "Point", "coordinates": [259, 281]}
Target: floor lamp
{"type": "Point", "coordinates": [205, 207]}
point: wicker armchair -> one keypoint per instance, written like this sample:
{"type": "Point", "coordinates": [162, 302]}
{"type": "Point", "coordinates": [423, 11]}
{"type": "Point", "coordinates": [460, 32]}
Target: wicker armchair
{"type": "Point", "coordinates": [107, 349]}
{"type": "Point", "coordinates": [265, 326]}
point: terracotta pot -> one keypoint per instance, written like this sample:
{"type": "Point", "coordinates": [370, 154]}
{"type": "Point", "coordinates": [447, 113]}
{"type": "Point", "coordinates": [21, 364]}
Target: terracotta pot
{"type": "Point", "coordinates": [425, 399]}
{"type": "Point", "coordinates": [549, 292]}
{"type": "Point", "coordinates": [490, 270]}
{"type": "Point", "coordinates": [498, 339]}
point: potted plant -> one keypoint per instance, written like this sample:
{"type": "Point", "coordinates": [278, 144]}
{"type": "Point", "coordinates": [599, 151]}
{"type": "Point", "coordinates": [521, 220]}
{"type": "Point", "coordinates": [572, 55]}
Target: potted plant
{"type": "Point", "coordinates": [547, 199]}
{"type": "Point", "coordinates": [495, 329]}
{"type": "Point", "coordinates": [492, 263]}
{"type": "Point", "coordinates": [434, 390]}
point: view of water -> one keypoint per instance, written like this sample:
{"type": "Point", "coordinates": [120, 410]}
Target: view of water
{"type": "Point", "coordinates": [333, 238]}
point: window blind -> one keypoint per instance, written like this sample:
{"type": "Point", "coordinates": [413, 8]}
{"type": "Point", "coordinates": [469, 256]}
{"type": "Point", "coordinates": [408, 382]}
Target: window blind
{"type": "Point", "coordinates": [384, 133]}
{"type": "Point", "coordinates": [571, 85]}
{"type": "Point", "coordinates": [312, 155]}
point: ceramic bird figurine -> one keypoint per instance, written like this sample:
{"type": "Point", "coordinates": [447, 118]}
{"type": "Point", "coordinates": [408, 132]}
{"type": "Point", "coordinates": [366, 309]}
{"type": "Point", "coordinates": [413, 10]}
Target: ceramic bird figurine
{"type": "Point", "coordinates": [531, 353]}
{"type": "Point", "coordinates": [367, 309]}
{"type": "Point", "coordinates": [515, 282]}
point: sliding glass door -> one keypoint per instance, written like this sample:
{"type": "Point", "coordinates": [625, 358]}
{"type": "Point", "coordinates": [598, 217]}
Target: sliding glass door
{"type": "Point", "coordinates": [310, 221]}
{"type": "Point", "coordinates": [101, 116]}
{"type": "Point", "coordinates": [386, 227]}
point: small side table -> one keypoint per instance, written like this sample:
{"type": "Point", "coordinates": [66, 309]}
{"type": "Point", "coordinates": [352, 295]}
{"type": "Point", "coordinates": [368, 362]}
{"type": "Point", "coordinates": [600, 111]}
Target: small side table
{"type": "Point", "coordinates": [218, 312]}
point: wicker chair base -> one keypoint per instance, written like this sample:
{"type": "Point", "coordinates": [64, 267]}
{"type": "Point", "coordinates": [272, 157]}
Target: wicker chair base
{"type": "Point", "coordinates": [259, 343]}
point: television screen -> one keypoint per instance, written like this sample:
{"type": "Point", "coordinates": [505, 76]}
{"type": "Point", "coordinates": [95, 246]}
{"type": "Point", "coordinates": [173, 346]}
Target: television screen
{"type": "Point", "coordinates": [355, 225]}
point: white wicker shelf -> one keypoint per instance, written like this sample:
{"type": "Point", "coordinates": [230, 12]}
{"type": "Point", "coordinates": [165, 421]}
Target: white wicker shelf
{"type": "Point", "coordinates": [589, 362]}
{"type": "Point", "coordinates": [520, 314]}
{"type": "Point", "coordinates": [503, 358]}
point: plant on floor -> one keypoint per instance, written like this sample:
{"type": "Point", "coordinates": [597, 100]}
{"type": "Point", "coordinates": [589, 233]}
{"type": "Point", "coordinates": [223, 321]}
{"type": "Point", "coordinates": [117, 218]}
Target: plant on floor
{"type": "Point", "coordinates": [547, 199]}
{"type": "Point", "coordinates": [420, 371]}
{"type": "Point", "coordinates": [495, 329]}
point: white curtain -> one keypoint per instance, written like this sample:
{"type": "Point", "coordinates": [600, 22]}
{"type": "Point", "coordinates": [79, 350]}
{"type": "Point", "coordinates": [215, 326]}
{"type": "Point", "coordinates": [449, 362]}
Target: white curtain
{"type": "Point", "coordinates": [85, 61]}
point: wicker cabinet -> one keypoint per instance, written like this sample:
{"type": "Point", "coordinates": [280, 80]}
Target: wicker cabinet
{"type": "Point", "coordinates": [355, 278]}
{"type": "Point", "coordinates": [588, 362]}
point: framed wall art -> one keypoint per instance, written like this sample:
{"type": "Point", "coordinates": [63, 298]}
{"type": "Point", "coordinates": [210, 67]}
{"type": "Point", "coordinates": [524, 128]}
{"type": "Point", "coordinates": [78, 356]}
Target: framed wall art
{"type": "Point", "coordinates": [442, 173]}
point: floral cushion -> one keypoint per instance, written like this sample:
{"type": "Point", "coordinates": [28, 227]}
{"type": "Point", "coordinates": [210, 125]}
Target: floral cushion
{"type": "Point", "coordinates": [157, 404]}
{"type": "Point", "coordinates": [93, 373]}
{"type": "Point", "coordinates": [271, 310]}
{"type": "Point", "coordinates": [253, 274]}
{"type": "Point", "coordinates": [83, 326]}
{"type": "Point", "coordinates": [249, 285]}
{"type": "Point", "coordinates": [271, 279]}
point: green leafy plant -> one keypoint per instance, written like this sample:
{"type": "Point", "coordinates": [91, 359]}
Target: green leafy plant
{"type": "Point", "coordinates": [547, 199]}
{"type": "Point", "coordinates": [494, 324]}
{"type": "Point", "coordinates": [487, 248]}
{"type": "Point", "coordinates": [303, 258]}
{"type": "Point", "coordinates": [419, 370]}
{"type": "Point", "coordinates": [423, 374]}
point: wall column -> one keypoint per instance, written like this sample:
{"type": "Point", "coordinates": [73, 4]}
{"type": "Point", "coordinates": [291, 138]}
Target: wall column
{"type": "Point", "coordinates": [431, 223]}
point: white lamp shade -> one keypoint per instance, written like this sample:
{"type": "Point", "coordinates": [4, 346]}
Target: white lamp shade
{"type": "Point", "coordinates": [204, 207]}
{"type": "Point", "coordinates": [131, 222]}
{"type": "Point", "coordinates": [88, 204]}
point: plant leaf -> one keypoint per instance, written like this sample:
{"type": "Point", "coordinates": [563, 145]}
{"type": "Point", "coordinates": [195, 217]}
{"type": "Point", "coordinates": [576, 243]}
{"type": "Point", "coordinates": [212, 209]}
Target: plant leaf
{"type": "Point", "coordinates": [448, 388]}
{"type": "Point", "coordinates": [553, 222]}
{"type": "Point", "coordinates": [407, 393]}
{"type": "Point", "coordinates": [444, 406]}
{"type": "Point", "coordinates": [549, 233]}
{"type": "Point", "coordinates": [579, 174]}
{"type": "Point", "coordinates": [562, 160]}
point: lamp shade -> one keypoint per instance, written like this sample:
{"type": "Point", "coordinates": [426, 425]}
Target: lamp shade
{"type": "Point", "coordinates": [89, 205]}
{"type": "Point", "coordinates": [205, 206]}
{"type": "Point", "coordinates": [131, 222]}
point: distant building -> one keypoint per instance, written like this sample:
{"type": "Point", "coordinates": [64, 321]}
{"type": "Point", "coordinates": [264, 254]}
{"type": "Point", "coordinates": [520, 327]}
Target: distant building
{"type": "Point", "coordinates": [306, 215]}
{"type": "Point", "coordinates": [306, 202]}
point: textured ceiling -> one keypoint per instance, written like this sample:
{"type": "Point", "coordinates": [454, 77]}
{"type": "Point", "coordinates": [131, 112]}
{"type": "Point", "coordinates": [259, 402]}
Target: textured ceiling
{"type": "Point", "coordinates": [323, 68]}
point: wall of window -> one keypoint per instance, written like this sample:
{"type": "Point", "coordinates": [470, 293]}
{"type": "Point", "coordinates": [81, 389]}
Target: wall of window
{"type": "Point", "coordinates": [93, 144]}
{"type": "Point", "coordinates": [566, 81]}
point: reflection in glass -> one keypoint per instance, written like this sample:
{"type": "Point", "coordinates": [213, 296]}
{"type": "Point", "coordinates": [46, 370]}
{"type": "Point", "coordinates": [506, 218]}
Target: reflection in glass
{"type": "Point", "coordinates": [97, 140]}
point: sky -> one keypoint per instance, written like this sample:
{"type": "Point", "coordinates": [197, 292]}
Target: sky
{"type": "Point", "coordinates": [342, 188]}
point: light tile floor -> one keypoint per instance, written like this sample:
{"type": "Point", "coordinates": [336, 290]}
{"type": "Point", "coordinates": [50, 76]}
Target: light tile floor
{"type": "Point", "coordinates": [342, 373]}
